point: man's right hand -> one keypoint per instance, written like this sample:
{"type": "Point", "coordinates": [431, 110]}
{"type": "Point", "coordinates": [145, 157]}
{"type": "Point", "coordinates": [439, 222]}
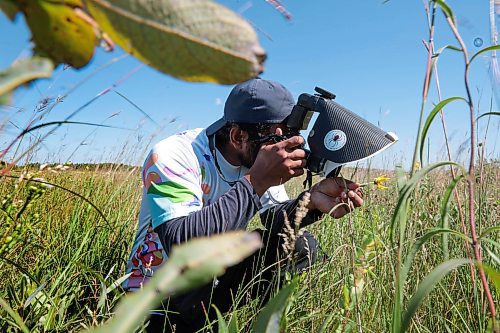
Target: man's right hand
{"type": "Point", "coordinates": [277, 163]}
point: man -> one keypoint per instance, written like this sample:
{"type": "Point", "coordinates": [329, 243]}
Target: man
{"type": "Point", "coordinates": [204, 182]}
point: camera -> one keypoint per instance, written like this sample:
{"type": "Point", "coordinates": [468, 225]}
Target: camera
{"type": "Point", "coordinates": [338, 136]}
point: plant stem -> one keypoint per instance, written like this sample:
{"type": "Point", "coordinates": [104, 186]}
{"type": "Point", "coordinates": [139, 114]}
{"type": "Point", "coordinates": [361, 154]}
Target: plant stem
{"type": "Point", "coordinates": [453, 175]}
{"type": "Point", "coordinates": [425, 91]}
{"type": "Point", "coordinates": [471, 178]}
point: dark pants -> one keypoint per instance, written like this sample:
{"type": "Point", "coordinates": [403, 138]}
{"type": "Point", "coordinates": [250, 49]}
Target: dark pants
{"type": "Point", "coordinates": [189, 312]}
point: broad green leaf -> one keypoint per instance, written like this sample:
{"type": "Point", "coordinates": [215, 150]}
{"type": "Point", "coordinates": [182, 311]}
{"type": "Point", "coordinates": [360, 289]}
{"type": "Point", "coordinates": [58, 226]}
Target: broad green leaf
{"type": "Point", "coordinates": [59, 31]}
{"type": "Point", "coordinates": [196, 40]}
{"type": "Point", "coordinates": [426, 286]}
{"type": "Point", "coordinates": [189, 266]}
{"type": "Point", "coordinates": [9, 8]}
{"type": "Point", "coordinates": [486, 49]}
{"type": "Point", "coordinates": [268, 320]}
{"type": "Point", "coordinates": [23, 71]}
{"type": "Point", "coordinates": [430, 118]}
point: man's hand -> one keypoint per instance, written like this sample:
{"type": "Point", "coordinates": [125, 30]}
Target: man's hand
{"type": "Point", "coordinates": [335, 192]}
{"type": "Point", "coordinates": [277, 163]}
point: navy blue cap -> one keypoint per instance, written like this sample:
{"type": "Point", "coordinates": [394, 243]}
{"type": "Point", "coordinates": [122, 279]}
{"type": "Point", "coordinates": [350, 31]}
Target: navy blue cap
{"type": "Point", "coordinates": [255, 101]}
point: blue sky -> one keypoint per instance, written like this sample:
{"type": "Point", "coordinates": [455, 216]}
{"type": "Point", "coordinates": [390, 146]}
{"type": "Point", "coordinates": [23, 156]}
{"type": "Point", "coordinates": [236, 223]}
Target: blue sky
{"type": "Point", "coordinates": [368, 53]}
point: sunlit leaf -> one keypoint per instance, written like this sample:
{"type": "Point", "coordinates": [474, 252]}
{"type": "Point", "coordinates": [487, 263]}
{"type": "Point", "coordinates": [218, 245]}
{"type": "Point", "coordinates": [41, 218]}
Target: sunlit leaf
{"type": "Point", "coordinates": [269, 318]}
{"type": "Point", "coordinates": [191, 40]}
{"type": "Point", "coordinates": [23, 71]}
{"type": "Point", "coordinates": [59, 31]}
{"type": "Point", "coordinates": [189, 266]}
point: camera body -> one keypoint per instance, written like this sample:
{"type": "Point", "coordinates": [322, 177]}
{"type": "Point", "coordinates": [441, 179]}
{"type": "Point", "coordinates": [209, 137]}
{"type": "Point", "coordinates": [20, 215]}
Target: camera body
{"type": "Point", "coordinates": [338, 136]}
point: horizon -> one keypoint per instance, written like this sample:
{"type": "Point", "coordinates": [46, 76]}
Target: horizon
{"type": "Point", "coordinates": [373, 60]}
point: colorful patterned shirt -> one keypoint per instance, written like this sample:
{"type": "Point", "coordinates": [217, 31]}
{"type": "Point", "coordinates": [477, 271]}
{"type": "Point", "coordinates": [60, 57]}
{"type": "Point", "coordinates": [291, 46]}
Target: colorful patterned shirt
{"type": "Point", "coordinates": [180, 178]}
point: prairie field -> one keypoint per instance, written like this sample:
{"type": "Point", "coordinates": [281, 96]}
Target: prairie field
{"type": "Point", "coordinates": [61, 253]}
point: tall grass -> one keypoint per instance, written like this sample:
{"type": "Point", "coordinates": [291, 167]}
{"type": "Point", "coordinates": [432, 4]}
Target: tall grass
{"type": "Point", "coordinates": [63, 248]}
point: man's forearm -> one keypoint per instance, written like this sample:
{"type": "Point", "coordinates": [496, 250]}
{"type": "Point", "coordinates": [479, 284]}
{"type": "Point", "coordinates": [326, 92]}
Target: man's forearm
{"type": "Point", "coordinates": [231, 211]}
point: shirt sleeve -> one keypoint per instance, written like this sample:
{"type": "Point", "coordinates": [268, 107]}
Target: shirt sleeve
{"type": "Point", "coordinates": [232, 211]}
{"type": "Point", "coordinates": [172, 179]}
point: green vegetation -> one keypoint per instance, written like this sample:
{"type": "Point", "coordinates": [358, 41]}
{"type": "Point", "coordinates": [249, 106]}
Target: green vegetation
{"type": "Point", "coordinates": [54, 275]}
{"type": "Point", "coordinates": [420, 256]}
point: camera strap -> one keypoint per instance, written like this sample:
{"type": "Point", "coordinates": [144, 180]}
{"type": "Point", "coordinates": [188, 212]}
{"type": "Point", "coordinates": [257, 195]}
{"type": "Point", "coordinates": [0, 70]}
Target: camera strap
{"type": "Point", "coordinates": [308, 181]}
{"type": "Point", "coordinates": [211, 145]}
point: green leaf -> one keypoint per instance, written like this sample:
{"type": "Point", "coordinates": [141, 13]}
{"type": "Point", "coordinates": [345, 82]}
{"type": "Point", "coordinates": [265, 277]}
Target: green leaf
{"type": "Point", "coordinates": [268, 320]}
{"type": "Point", "coordinates": [191, 40]}
{"type": "Point", "coordinates": [492, 255]}
{"type": "Point", "coordinates": [488, 114]}
{"type": "Point", "coordinates": [405, 193]}
{"type": "Point", "coordinates": [486, 49]}
{"type": "Point", "coordinates": [118, 282]}
{"type": "Point", "coordinates": [437, 53]}
{"type": "Point", "coordinates": [9, 8]}
{"type": "Point", "coordinates": [24, 71]}
{"type": "Point", "coordinates": [426, 286]}
{"type": "Point", "coordinates": [489, 231]}
{"type": "Point", "coordinates": [446, 10]}
{"type": "Point", "coordinates": [430, 118]}
{"type": "Point", "coordinates": [222, 325]}
{"type": "Point", "coordinates": [444, 214]}
{"type": "Point", "coordinates": [190, 265]}
{"type": "Point", "coordinates": [14, 315]}
{"type": "Point", "coordinates": [233, 324]}
{"type": "Point", "coordinates": [405, 268]}
{"type": "Point", "coordinates": [493, 274]}
{"type": "Point", "coordinates": [60, 32]}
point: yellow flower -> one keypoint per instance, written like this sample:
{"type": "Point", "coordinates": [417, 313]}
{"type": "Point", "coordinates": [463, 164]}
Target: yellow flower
{"type": "Point", "coordinates": [382, 187]}
{"type": "Point", "coordinates": [379, 182]}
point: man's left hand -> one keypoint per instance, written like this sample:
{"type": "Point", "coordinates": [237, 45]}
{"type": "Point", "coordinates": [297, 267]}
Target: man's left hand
{"type": "Point", "coordinates": [336, 192]}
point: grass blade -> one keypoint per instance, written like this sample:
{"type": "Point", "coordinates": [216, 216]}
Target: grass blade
{"type": "Point", "coordinates": [269, 318]}
{"type": "Point", "coordinates": [486, 49]}
{"type": "Point", "coordinates": [14, 315]}
{"type": "Point", "coordinates": [444, 213]}
{"type": "Point", "coordinates": [406, 192]}
{"type": "Point", "coordinates": [426, 286]}
{"type": "Point", "coordinates": [430, 118]}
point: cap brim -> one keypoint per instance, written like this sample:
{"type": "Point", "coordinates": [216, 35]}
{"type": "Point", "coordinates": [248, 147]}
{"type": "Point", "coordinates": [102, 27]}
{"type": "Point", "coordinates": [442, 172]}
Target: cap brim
{"type": "Point", "coordinates": [212, 129]}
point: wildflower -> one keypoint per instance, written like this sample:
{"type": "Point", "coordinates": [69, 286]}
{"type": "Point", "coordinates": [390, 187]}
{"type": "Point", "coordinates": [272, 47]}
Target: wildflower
{"type": "Point", "coordinates": [378, 181]}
